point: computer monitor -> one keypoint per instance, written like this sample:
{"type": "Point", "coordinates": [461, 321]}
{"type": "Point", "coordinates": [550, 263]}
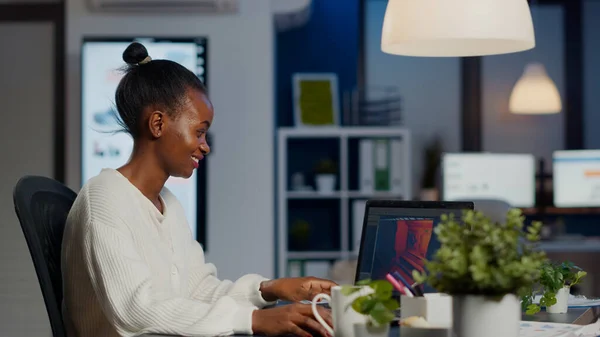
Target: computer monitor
{"type": "Point", "coordinates": [576, 178]}
{"type": "Point", "coordinates": [101, 147]}
{"type": "Point", "coordinates": [398, 236]}
{"type": "Point", "coordinates": [507, 177]}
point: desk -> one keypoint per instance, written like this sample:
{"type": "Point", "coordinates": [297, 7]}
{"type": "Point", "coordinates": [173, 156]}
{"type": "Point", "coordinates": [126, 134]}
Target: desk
{"type": "Point", "coordinates": [581, 316]}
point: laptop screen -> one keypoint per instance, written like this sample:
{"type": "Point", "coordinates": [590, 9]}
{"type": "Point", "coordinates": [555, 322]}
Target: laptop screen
{"type": "Point", "coordinates": [398, 237]}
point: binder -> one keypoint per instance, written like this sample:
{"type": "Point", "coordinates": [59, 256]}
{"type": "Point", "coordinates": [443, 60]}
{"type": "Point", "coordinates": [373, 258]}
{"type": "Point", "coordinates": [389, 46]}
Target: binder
{"type": "Point", "coordinates": [382, 165]}
{"type": "Point", "coordinates": [396, 170]}
{"type": "Point", "coordinates": [365, 153]}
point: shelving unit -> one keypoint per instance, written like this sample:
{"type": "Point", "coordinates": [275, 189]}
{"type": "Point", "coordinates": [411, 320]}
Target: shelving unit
{"type": "Point", "coordinates": [333, 208]}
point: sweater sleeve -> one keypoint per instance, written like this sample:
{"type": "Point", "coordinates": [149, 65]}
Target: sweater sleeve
{"type": "Point", "coordinates": [205, 286]}
{"type": "Point", "coordinates": [121, 280]}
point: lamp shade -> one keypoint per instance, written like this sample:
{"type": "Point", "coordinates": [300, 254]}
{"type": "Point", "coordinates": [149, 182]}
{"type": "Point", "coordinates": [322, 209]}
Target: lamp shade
{"type": "Point", "coordinates": [456, 27]}
{"type": "Point", "coordinates": [535, 92]}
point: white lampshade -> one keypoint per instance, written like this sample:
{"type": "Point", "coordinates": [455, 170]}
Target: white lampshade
{"type": "Point", "coordinates": [535, 92]}
{"type": "Point", "coordinates": [456, 27]}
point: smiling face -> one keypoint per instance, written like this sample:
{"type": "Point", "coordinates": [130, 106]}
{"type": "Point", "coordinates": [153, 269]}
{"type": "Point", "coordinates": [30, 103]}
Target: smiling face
{"type": "Point", "coordinates": [181, 138]}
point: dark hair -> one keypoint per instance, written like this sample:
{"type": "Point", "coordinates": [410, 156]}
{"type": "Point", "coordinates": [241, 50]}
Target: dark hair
{"type": "Point", "coordinates": [159, 83]}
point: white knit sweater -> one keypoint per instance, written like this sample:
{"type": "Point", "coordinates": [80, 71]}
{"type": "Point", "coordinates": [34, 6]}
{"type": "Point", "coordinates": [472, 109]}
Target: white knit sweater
{"type": "Point", "coordinates": [128, 269]}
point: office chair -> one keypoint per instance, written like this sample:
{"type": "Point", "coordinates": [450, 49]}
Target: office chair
{"type": "Point", "coordinates": [495, 209]}
{"type": "Point", "coordinates": [42, 205]}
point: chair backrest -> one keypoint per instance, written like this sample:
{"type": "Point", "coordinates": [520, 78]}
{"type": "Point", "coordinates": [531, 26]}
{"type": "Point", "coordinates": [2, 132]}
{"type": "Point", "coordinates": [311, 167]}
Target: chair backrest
{"type": "Point", "coordinates": [42, 205]}
{"type": "Point", "coordinates": [495, 209]}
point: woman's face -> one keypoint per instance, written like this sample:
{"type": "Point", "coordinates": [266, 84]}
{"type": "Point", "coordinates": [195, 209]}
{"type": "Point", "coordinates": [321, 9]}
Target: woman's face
{"type": "Point", "coordinates": [183, 143]}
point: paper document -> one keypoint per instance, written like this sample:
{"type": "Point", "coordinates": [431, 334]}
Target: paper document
{"type": "Point", "coordinates": [546, 329]}
{"type": "Point", "coordinates": [576, 301]}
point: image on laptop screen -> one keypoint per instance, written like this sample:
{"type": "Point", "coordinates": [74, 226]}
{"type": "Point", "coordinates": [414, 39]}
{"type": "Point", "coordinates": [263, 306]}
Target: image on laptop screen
{"type": "Point", "coordinates": [398, 237]}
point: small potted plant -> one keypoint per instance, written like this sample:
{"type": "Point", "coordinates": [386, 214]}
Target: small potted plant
{"type": "Point", "coordinates": [325, 174]}
{"type": "Point", "coordinates": [484, 265]}
{"type": "Point", "coordinates": [555, 285]}
{"type": "Point", "coordinates": [431, 164]}
{"type": "Point", "coordinates": [300, 234]}
{"type": "Point", "coordinates": [378, 306]}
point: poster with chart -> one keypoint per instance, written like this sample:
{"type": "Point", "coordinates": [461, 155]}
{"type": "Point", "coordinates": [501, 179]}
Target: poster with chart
{"type": "Point", "coordinates": [101, 147]}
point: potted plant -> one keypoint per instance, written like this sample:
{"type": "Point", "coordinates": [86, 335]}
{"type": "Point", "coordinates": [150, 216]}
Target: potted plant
{"type": "Point", "coordinates": [325, 174]}
{"type": "Point", "coordinates": [555, 285]}
{"type": "Point", "coordinates": [484, 265]}
{"type": "Point", "coordinates": [431, 164]}
{"type": "Point", "coordinates": [300, 231]}
{"type": "Point", "coordinates": [378, 306]}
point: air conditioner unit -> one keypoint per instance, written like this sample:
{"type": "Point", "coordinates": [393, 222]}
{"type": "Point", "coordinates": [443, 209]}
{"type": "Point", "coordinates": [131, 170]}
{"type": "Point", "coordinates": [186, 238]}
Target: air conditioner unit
{"type": "Point", "coordinates": [161, 6]}
{"type": "Point", "coordinates": [290, 14]}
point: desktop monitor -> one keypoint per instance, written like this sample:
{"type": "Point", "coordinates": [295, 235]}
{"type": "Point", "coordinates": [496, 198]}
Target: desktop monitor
{"type": "Point", "coordinates": [576, 180]}
{"type": "Point", "coordinates": [398, 236]}
{"type": "Point", "coordinates": [472, 176]}
{"type": "Point", "coordinates": [102, 147]}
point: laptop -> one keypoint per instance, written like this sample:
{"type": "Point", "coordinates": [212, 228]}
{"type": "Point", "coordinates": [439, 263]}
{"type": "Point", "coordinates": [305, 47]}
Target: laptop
{"type": "Point", "coordinates": [398, 235]}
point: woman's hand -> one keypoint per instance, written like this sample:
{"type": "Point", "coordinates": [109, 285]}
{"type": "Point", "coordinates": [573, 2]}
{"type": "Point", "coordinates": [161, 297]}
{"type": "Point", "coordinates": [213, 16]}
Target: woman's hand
{"type": "Point", "coordinates": [296, 319]}
{"type": "Point", "coordinates": [295, 289]}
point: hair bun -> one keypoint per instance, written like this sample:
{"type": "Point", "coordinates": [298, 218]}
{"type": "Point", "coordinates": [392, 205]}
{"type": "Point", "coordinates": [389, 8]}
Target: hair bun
{"type": "Point", "coordinates": [136, 54]}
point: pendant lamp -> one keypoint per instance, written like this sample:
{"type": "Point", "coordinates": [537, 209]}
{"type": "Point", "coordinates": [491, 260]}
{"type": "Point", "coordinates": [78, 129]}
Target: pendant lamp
{"type": "Point", "coordinates": [456, 27]}
{"type": "Point", "coordinates": [535, 92]}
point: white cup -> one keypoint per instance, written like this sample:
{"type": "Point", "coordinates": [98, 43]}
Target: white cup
{"type": "Point", "coordinates": [436, 308]}
{"type": "Point", "coordinates": [344, 317]}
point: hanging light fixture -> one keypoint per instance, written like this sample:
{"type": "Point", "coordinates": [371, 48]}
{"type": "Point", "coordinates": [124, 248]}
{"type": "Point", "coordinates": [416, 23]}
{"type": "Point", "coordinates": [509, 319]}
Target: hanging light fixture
{"type": "Point", "coordinates": [456, 27]}
{"type": "Point", "coordinates": [535, 92]}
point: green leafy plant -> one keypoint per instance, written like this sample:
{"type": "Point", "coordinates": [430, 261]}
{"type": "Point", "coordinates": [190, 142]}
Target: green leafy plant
{"type": "Point", "coordinates": [378, 305]}
{"type": "Point", "coordinates": [432, 158]}
{"type": "Point", "coordinates": [480, 257]}
{"type": "Point", "coordinates": [300, 232]}
{"type": "Point", "coordinates": [326, 166]}
{"type": "Point", "coordinates": [553, 278]}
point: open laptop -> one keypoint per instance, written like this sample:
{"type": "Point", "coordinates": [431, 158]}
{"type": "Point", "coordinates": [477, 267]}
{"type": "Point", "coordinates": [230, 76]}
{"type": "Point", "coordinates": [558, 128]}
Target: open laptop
{"type": "Point", "coordinates": [398, 235]}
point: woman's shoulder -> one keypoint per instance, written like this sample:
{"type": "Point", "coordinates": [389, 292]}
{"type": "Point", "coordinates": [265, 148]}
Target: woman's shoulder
{"type": "Point", "coordinates": [108, 183]}
{"type": "Point", "coordinates": [107, 192]}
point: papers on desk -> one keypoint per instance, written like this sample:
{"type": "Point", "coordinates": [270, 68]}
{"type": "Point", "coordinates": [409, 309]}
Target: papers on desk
{"type": "Point", "coordinates": [576, 301]}
{"type": "Point", "coordinates": [544, 329]}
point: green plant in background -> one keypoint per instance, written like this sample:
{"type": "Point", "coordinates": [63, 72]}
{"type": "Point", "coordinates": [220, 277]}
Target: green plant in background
{"type": "Point", "coordinates": [326, 166]}
{"type": "Point", "coordinates": [553, 277]}
{"type": "Point", "coordinates": [480, 257]}
{"type": "Point", "coordinates": [431, 163]}
{"type": "Point", "coordinates": [300, 232]}
{"type": "Point", "coordinates": [379, 305]}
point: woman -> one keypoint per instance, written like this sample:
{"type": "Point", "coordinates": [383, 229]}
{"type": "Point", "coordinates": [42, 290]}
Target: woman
{"type": "Point", "coordinates": [130, 265]}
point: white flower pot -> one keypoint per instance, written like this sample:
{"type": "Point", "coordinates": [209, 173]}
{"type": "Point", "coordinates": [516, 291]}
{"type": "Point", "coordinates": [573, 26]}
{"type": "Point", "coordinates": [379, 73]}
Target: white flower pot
{"type": "Point", "coordinates": [562, 301]}
{"type": "Point", "coordinates": [325, 183]}
{"type": "Point", "coordinates": [366, 330]}
{"type": "Point", "coordinates": [477, 316]}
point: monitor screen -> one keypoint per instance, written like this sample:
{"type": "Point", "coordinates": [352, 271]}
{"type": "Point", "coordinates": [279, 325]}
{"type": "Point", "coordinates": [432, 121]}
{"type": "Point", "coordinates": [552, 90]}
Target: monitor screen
{"type": "Point", "coordinates": [398, 240]}
{"type": "Point", "coordinates": [576, 178]}
{"type": "Point", "coordinates": [471, 176]}
{"type": "Point", "coordinates": [101, 146]}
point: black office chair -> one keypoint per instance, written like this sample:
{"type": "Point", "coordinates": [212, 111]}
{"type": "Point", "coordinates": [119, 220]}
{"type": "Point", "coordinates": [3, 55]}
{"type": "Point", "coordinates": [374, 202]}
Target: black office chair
{"type": "Point", "coordinates": [42, 205]}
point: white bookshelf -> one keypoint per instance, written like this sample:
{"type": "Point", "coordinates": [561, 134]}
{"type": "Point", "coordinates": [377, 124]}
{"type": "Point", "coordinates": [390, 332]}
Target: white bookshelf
{"type": "Point", "coordinates": [344, 195]}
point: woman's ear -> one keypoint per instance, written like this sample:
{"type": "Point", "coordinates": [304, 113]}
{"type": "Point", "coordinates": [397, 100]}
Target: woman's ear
{"type": "Point", "coordinates": [156, 123]}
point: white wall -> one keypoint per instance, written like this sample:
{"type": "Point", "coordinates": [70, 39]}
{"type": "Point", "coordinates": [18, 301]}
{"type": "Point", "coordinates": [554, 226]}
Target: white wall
{"type": "Point", "coordinates": [506, 132]}
{"type": "Point", "coordinates": [241, 169]}
{"type": "Point", "coordinates": [27, 107]}
{"type": "Point", "coordinates": [430, 89]}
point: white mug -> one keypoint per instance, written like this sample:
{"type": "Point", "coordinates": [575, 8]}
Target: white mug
{"type": "Point", "coordinates": [344, 317]}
